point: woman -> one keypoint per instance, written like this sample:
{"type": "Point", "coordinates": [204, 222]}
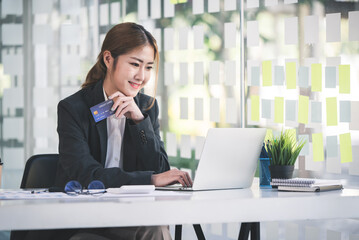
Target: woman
{"type": "Point", "coordinates": [126, 147]}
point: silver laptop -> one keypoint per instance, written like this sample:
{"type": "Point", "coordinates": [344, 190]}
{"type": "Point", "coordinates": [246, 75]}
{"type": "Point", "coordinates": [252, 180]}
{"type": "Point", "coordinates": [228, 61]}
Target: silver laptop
{"type": "Point", "coordinates": [228, 160]}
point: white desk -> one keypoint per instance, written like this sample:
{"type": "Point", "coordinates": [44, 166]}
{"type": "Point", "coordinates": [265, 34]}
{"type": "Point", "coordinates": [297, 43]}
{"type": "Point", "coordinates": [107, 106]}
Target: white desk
{"type": "Point", "coordinates": [246, 205]}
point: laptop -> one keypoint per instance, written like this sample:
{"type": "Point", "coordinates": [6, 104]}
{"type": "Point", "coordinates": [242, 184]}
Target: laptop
{"type": "Point", "coordinates": [228, 160]}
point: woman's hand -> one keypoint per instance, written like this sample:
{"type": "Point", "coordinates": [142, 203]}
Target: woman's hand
{"type": "Point", "coordinates": [126, 106]}
{"type": "Point", "coordinates": [170, 177]}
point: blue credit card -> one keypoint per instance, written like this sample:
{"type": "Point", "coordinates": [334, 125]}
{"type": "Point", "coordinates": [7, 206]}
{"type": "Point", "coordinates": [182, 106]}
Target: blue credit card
{"type": "Point", "coordinates": [102, 110]}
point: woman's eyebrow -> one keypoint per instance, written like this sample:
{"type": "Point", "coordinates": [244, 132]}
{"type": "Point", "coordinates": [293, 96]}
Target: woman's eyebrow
{"type": "Point", "coordinates": [140, 60]}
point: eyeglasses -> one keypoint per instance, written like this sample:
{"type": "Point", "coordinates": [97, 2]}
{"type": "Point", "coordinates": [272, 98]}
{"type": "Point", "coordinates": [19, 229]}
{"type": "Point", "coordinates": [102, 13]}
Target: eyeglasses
{"type": "Point", "coordinates": [75, 188]}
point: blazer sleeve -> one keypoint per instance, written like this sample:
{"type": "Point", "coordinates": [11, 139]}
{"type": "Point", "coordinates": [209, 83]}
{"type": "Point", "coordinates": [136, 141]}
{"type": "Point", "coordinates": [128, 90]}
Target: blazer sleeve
{"type": "Point", "coordinates": [151, 154]}
{"type": "Point", "coordinates": [76, 159]}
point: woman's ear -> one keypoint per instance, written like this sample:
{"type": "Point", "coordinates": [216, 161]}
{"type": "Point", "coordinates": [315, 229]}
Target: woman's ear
{"type": "Point", "coordinates": [107, 59]}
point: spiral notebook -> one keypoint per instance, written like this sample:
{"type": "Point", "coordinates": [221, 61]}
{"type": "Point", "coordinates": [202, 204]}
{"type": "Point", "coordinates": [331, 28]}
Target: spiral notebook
{"type": "Point", "coordinates": [306, 184]}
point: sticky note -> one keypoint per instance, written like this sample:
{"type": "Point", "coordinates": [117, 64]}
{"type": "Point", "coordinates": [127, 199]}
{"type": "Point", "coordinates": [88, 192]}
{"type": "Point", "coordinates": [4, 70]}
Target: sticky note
{"type": "Point", "coordinates": [197, 7]}
{"type": "Point", "coordinates": [13, 64]}
{"type": "Point", "coordinates": [344, 78]}
{"type": "Point", "coordinates": [332, 146]}
{"type": "Point", "coordinates": [198, 34]}
{"type": "Point", "coordinates": [345, 148]}
{"type": "Point", "coordinates": [332, 119]}
{"type": "Point", "coordinates": [231, 110]}
{"type": "Point", "coordinates": [230, 5]}
{"type": "Point", "coordinates": [13, 128]}
{"type": "Point", "coordinates": [198, 73]}
{"type": "Point", "coordinates": [214, 115]}
{"type": "Point", "coordinates": [278, 109]}
{"type": "Point", "coordinates": [183, 73]}
{"type": "Point", "coordinates": [311, 29]}
{"type": "Point", "coordinates": [290, 1]}
{"type": "Point", "coordinates": [269, 3]}
{"type": "Point", "coordinates": [266, 108]}
{"type": "Point", "coordinates": [316, 76]}
{"type": "Point", "coordinates": [213, 6]}
{"type": "Point", "coordinates": [169, 79]}
{"type": "Point", "coordinates": [171, 144]}
{"type": "Point", "coordinates": [333, 61]}
{"type": "Point", "coordinates": [333, 33]}
{"type": "Point", "coordinates": [252, 3]}
{"type": "Point", "coordinates": [291, 31]}
{"type": "Point", "coordinates": [255, 108]}
{"type": "Point", "coordinates": [169, 38]}
{"type": "Point", "coordinates": [142, 10]}
{"type": "Point", "coordinates": [185, 150]}
{"type": "Point", "coordinates": [290, 110]}
{"type": "Point", "coordinates": [155, 9]}
{"type": "Point", "coordinates": [303, 107]}
{"type": "Point", "coordinates": [169, 9]}
{"type": "Point", "coordinates": [354, 124]}
{"type": "Point", "coordinates": [184, 108]}
{"type": "Point", "coordinates": [353, 26]}
{"type": "Point", "coordinates": [252, 33]}
{"type": "Point", "coordinates": [267, 73]}
{"type": "Point", "coordinates": [230, 35]}
{"type": "Point", "coordinates": [303, 77]}
{"type": "Point", "coordinates": [214, 70]}
{"type": "Point", "coordinates": [198, 109]}
{"type": "Point", "coordinates": [291, 75]}
{"type": "Point", "coordinates": [345, 111]}
{"type": "Point", "coordinates": [269, 134]}
{"type": "Point", "coordinates": [255, 76]}
{"type": "Point", "coordinates": [230, 73]}
{"type": "Point", "coordinates": [316, 112]}
{"type": "Point", "coordinates": [278, 75]}
{"type": "Point", "coordinates": [317, 142]}
{"type": "Point", "coordinates": [183, 37]}
{"type": "Point", "coordinates": [330, 77]}
{"type": "Point", "coordinates": [305, 149]}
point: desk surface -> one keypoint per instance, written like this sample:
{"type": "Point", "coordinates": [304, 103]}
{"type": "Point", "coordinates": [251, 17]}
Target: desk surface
{"type": "Point", "coordinates": [242, 205]}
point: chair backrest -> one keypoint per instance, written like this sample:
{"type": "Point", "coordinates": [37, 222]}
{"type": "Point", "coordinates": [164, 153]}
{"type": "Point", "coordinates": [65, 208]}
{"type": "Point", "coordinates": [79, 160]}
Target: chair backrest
{"type": "Point", "coordinates": [40, 171]}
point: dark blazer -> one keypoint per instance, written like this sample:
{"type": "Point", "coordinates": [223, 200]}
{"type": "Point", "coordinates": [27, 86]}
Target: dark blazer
{"type": "Point", "coordinates": [83, 143]}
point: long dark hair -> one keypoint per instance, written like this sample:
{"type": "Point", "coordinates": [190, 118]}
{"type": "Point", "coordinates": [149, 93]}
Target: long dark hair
{"type": "Point", "coordinates": [122, 39]}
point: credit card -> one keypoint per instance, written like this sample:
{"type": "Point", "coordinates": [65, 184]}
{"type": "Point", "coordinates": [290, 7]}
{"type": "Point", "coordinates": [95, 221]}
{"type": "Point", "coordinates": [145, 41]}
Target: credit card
{"type": "Point", "coordinates": [102, 110]}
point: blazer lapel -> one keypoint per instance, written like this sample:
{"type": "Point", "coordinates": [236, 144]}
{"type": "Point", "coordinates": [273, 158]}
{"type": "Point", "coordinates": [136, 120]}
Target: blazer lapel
{"type": "Point", "coordinates": [95, 96]}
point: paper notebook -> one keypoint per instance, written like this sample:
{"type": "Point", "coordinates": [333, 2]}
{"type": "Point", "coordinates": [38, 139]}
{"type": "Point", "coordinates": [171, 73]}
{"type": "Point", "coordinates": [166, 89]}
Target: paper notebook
{"type": "Point", "coordinates": [306, 184]}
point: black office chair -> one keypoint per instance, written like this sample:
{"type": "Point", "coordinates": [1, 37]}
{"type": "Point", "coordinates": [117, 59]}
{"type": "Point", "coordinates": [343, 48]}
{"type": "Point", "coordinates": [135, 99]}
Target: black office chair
{"type": "Point", "coordinates": [40, 172]}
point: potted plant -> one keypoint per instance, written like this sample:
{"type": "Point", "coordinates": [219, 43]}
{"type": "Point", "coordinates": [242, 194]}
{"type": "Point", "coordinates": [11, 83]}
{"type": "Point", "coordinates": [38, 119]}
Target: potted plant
{"type": "Point", "coordinates": [283, 151]}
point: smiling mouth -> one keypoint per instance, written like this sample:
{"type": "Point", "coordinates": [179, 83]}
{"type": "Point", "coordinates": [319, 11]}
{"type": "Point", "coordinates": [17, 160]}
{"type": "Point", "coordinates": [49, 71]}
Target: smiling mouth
{"type": "Point", "coordinates": [135, 85]}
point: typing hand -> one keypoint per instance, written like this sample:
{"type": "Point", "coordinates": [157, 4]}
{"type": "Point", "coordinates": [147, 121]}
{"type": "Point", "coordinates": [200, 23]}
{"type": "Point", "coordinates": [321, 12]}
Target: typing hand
{"type": "Point", "coordinates": [170, 177]}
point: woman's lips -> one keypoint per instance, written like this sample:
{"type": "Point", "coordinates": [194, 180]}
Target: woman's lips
{"type": "Point", "coordinates": [135, 85]}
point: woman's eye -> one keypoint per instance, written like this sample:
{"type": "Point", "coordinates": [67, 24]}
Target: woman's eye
{"type": "Point", "coordinates": [149, 67]}
{"type": "Point", "coordinates": [135, 64]}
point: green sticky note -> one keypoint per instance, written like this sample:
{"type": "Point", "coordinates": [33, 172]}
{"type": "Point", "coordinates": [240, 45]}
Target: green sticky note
{"type": "Point", "coordinates": [267, 73]}
{"type": "Point", "coordinates": [291, 75]}
{"type": "Point", "coordinates": [345, 142]}
{"type": "Point", "coordinates": [318, 150]}
{"type": "Point", "coordinates": [316, 77]}
{"type": "Point", "coordinates": [344, 78]}
{"type": "Point", "coordinates": [303, 109]}
{"type": "Point", "coordinates": [278, 109]}
{"type": "Point", "coordinates": [332, 112]}
{"type": "Point", "coordinates": [255, 108]}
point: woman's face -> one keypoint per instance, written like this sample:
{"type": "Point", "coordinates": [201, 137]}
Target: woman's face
{"type": "Point", "coordinates": [131, 72]}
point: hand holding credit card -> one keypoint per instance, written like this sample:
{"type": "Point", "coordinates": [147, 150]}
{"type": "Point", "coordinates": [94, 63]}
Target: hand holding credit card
{"type": "Point", "coordinates": [102, 110]}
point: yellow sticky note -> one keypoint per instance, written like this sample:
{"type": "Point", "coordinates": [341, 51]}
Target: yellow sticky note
{"type": "Point", "coordinates": [344, 78]}
{"type": "Point", "coordinates": [269, 135]}
{"type": "Point", "coordinates": [316, 77]}
{"type": "Point", "coordinates": [291, 75]}
{"type": "Point", "coordinates": [173, 1]}
{"type": "Point", "coordinates": [318, 150]}
{"type": "Point", "coordinates": [278, 109]}
{"type": "Point", "coordinates": [332, 112]}
{"type": "Point", "coordinates": [182, 1]}
{"type": "Point", "coordinates": [255, 108]}
{"type": "Point", "coordinates": [303, 109]}
{"type": "Point", "coordinates": [345, 142]}
{"type": "Point", "coordinates": [267, 73]}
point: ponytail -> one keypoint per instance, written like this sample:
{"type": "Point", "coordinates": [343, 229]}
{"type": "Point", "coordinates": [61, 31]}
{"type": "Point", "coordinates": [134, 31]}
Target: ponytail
{"type": "Point", "coordinates": [97, 72]}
